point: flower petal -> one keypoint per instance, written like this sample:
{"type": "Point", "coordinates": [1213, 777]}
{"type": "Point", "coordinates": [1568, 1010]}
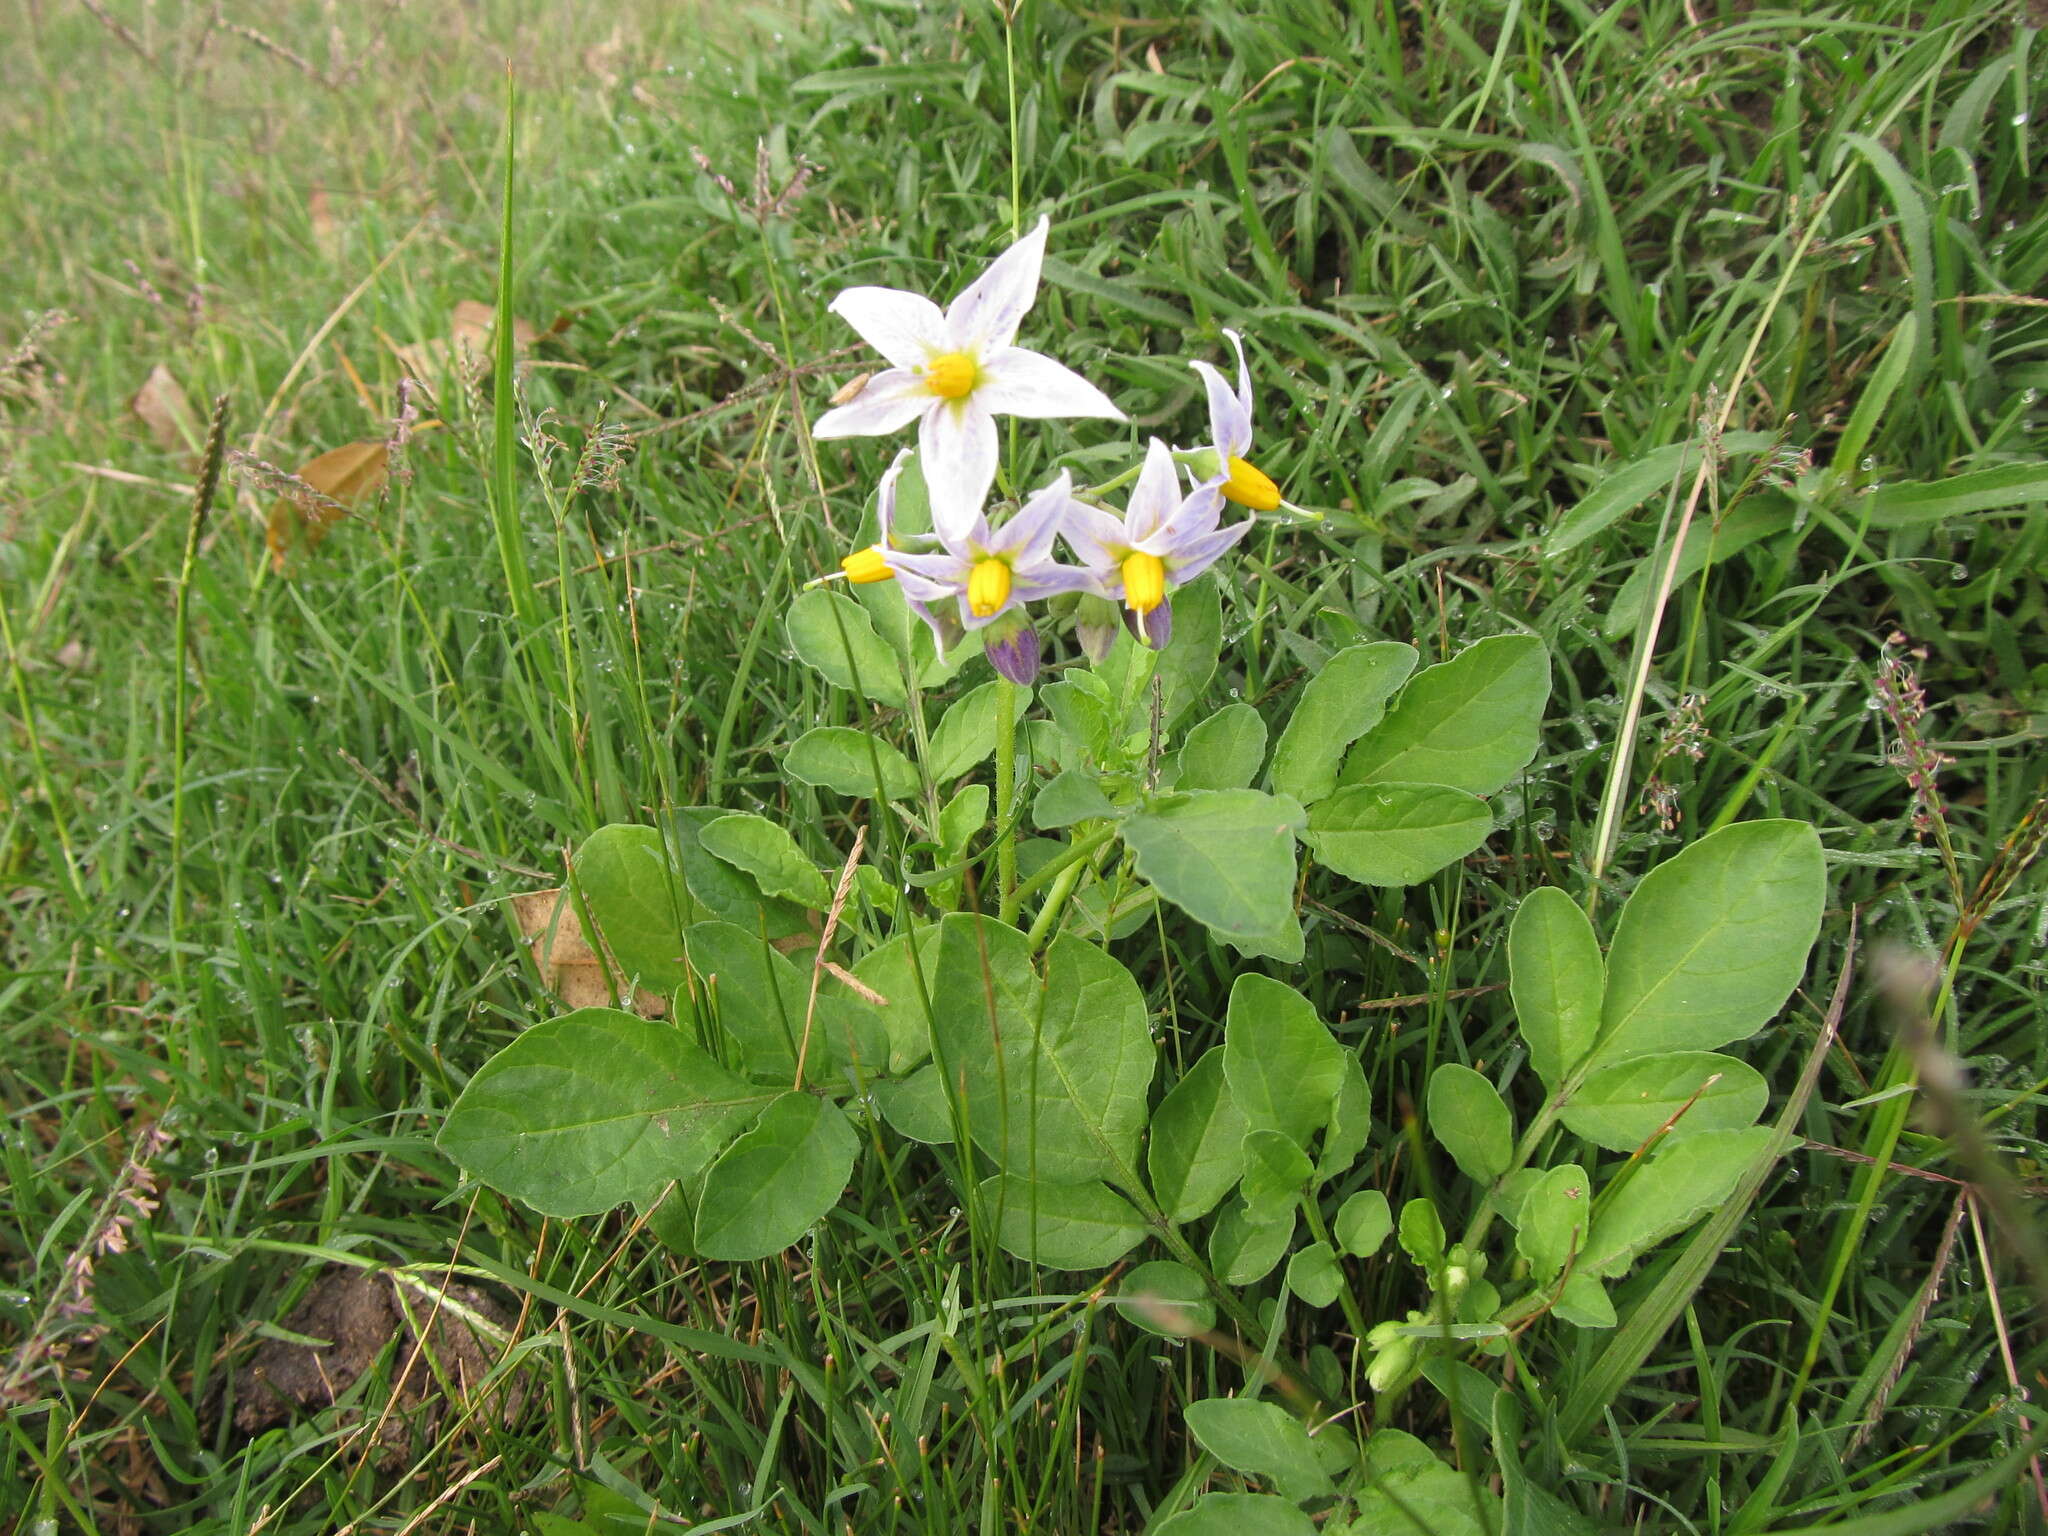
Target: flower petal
{"type": "Point", "coordinates": [1049, 580]}
{"type": "Point", "coordinates": [1015, 656]}
{"type": "Point", "coordinates": [1197, 514]}
{"type": "Point", "coordinates": [928, 578]}
{"type": "Point", "coordinates": [1197, 555]}
{"type": "Point", "coordinates": [906, 328]}
{"type": "Point", "coordinates": [988, 311]}
{"type": "Point", "coordinates": [1244, 374]}
{"type": "Point", "coordinates": [1230, 425]}
{"type": "Point", "coordinates": [891, 401]}
{"type": "Point", "coordinates": [885, 493]}
{"type": "Point", "coordinates": [956, 443]}
{"type": "Point", "coordinates": [1094, 535]}
{"type": "Point", "coordinates": [1019, 382]}
{"type": "Point", "coordinates": [1028, 536]}
{"type": "Point", "coordinates": [1156, 496]}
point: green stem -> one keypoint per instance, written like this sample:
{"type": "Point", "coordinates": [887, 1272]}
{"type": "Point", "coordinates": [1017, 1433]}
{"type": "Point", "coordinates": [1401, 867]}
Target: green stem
{"type": "Point", "coordinates": [1007, 897]}
{"type": "Point", "coordinates": [1084, 849]}
{"type": "Point", "coordinates": [1055, 899]}
{"type": "Point", "coordinates": [1321, 1232]}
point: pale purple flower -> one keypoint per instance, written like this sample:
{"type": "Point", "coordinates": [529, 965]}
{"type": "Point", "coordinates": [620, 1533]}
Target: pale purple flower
{"type": "Point", "coordinates": [954, 371]}
{"type": "Point", "coordinates": [1230, 432]}
{"type": "Point", "coordinates": [993, 572]}
{"type": "Point", "coordinates": [1165, 540]}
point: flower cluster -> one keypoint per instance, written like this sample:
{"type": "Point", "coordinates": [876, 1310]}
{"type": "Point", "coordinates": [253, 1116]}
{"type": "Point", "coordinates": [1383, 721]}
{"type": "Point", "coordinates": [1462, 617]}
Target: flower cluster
{"type": "Point", "coordinates": [953, 372]}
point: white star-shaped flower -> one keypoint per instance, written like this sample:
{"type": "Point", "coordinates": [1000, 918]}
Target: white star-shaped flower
{"type": "Point", "coordinates": [954, 372]}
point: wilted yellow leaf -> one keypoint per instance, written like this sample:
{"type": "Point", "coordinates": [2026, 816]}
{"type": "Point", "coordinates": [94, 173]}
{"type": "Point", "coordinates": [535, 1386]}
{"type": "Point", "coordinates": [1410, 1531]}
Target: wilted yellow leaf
{"type": "Point", "coordinates": [569, 967]}
{"type": "Point", "coordinates": [342, 479]}
{"type": "Point", "coordinates": [162, 407]}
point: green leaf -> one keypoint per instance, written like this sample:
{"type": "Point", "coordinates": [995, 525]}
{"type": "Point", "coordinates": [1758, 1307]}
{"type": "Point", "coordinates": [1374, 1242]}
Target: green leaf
{"type": "Point", "coordinates": [1224, 856]}
{"type": "Point", "coordinates": [1923, 503]}
{"type": "Point", "coordinates": [834, 635]}
{"type": "Point", "coordinates": [1082, 707]}
{"type": "Point", "coordinates": [595, 1109]}
{"type": "Point", "coordinates": [1395, 834]}
{"type": "Point", "coordinates": [1679, 1182]}
{"type": "Point", "coordinates": [1062, 1226]}
{"type": "Point", "coordinates": [1314, 1275]}
{"type": "Point", "coordinates": [1197, 1142]}
{"type": "Point", "coordinates": [1239, 1514]}
{"type": "Point", "coordinates": [720, 890]}
{"type": "Point", "coordinates": [1224, 751]}
{"type": "Point", "coordinates": [761, 848]}
{"type": "Point", "coordinates": [1467, 1115]}
{"type": "Point", "coordinates": [916, 1105]}
{"type": "Point", "coordinates": [836, 757]}
{"type": "Point", "coordinates": [1343, 701]}
{"type": "Point", "coordinates": [961, 817]}
{"type": "Point", "coordinates": [886, 971]}
{"type": "Point", "coordinates": [1243, 1251]}
{"type": "Point", "coordinates": [1422, 1233]}
{"type": "Point", "coordinates": [1350, 1121]}
{"type": "Point", "coordinates": [1185, 666]}
{"type": "Point", "coordinates": [1260, 1440]}
{"type": "Point", "coordinates": [1713, 941]}
{"type": "Point", "coordinates": [1472, 722]}
{"type": "Point", "coordinates": [1622, 1107]}
{"type": "Point", "coordinates": [1621, 490]}
{"type": "Point", "coordinates": [1276, 1171]}
{"type": "Point", "coordinates": [1555, 1216]}
{"type": "Point", "coordinates": [1167, 1298]}
{"type": "Point", "coordinates": [1364, 1223]}
{"type": "Point", "coordinates": [761, 1000]}
{"type": "Point", "coordinates": [1054, 1077]}
{"type": "Point", "coordinates": [1282, 1064]}
{"type": "Point", "coordinates": [777, 1181]}
{"type": "Point", "coordinates": [1757, 517]}
{"type": "Point", "coordinates": [1066, 798]}
{"type": "Point", "coordinates": [631, 891]}
{"type": "Point", "coordinates": [1435, 1499]}
{"type": "Point", "coordinates": [967, 732]}
{"type": "Point", "coordinates": [1557, 978]}
{"type": "Point", "coordinates": [1583, 1303]}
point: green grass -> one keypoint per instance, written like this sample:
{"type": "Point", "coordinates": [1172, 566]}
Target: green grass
{"type": "Point", "coordinates": [1482, 263]}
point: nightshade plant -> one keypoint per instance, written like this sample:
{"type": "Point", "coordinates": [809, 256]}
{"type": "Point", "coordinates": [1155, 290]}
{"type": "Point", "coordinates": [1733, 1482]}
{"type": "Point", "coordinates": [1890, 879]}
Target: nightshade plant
{"type": "Point", "coordinates": [809, 1006]}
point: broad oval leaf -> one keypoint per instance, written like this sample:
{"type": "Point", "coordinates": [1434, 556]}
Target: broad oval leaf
{"type": "Point", "coordinates": [632, 891]}
{"type": "Point", "coordinates": [1467, 1115]}
{"type": "Point", "coordinates": [1283, 1065]}
{"type": "Point", "coordinates": [761, 1001]}
{"type": "Point", "coordinates": [1276, 1171]}
{"type": "Point", "coordinates": [1584, 1303]}
{"type": "Point", "coordinates": [834, 635]}
{"type": "Point", "coordinates": [1167, 1298]}
{"type": "Point", "coordinates": [1364, 1223]}
{"type": "Point", "coordinates": [1223, 856]}
{"type": "Point", "coordinates": [1557, 979]}
{"type": "Point", "coordinates": [1472, 722]}
{"type": "Point", "coordinates": [1054, 1076]}
{"type": "Point", "coordinates": [1224, 751]}
{"type": "Point", "coordinates": [774, 1183]}
{"type": "Point", "coordinates": [1243, 1251]}
{"type": "Point", "coordinates": [886, 972]}
{"type": "Point", "coordinates": [1196, 1150]}
{"type": "Point", "coordinates": [1623, 1106]}
{"type": "Point", "coordinates": [595, 1109]}
{"type": "Point", "coordinates": [1554, 1218]}
{"type": "Point", "coordinates": [1343, 701]}
{"type": "Point", "coordinates": [839, 758]}
{"type": "Point", "coordinates": [1062, 1226]}
{"type": "Point", "coordinates": [768, 853]}
{"type": "Point", "coordinates": [1314, 1274]}
{"type": "Point", "coordinates": [1713, 941]}
{"type": "Point", "coordinates": [1260, 1440]}
{"type": "Point", "coordinates": [1676, 1185]}
{"type": "Point", "coordinates": [719, 889]}
{"type": "Point", "coordinates": [966, 733]}
{"type": "Point", "coordinates": [1395, 834]}
{"type": "Point", "coordinates": [1066, 798]}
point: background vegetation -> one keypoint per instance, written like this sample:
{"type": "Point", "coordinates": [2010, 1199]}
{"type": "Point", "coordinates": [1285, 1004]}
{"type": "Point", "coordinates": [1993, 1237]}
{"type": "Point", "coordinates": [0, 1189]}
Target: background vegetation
{"type": "Point", "coordinates": [255, 893]}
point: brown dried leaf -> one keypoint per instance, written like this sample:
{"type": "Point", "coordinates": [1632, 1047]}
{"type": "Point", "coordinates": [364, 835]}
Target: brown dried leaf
{"type": "Point", "coordinates": [162, 407]}
{"type": "Point", "coordinates": [343, 478]}
{"type": "Point", "coordinates": [470, 330]}
{"type": "Point", "coordinates": [569, 967]}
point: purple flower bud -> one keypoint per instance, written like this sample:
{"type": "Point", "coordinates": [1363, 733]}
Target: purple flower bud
{"type": "Point", "coordinates": [1015, 655]}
